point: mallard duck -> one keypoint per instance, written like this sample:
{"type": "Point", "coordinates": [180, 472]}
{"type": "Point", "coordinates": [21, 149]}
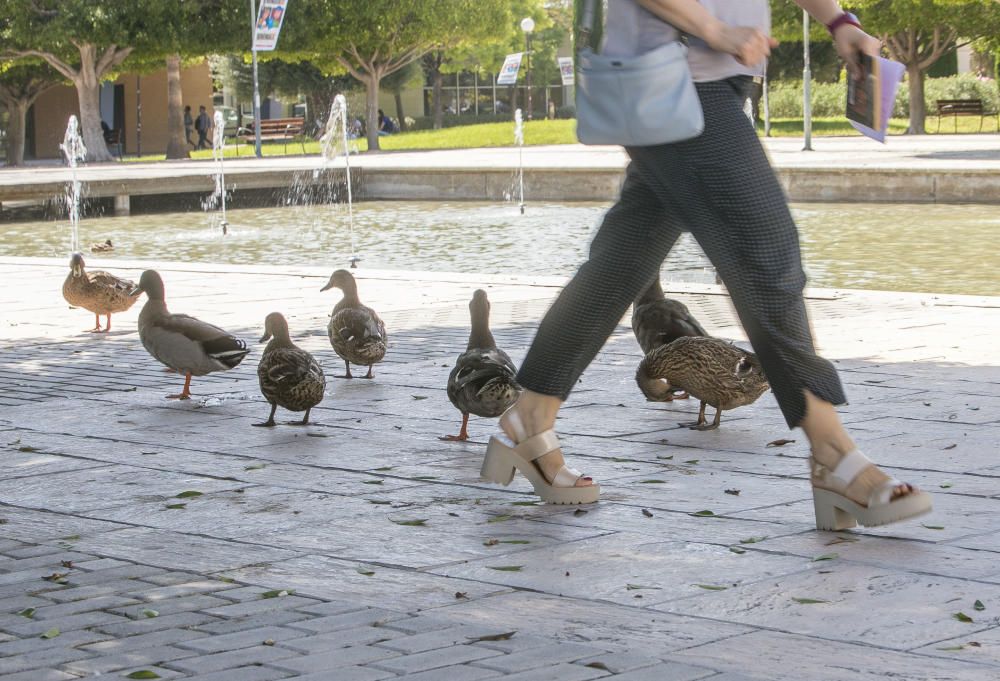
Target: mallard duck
{"type": "Point", "coordinates": [658, 320]}
{"type": "Point", "coordinates": [482, 382]}
{"type": "Point", "coordinates": [187, 345]}
{"type": "Point", "coordinates": [716, 372]}
{"type": "Point", "coordinates": [99, 292]}
{"type": "Point", "coordinates": [102, 248]}
{"type": "Point", "coordinates": [356, 332]}
{"type": "Point", "coordinates": [289, 376]}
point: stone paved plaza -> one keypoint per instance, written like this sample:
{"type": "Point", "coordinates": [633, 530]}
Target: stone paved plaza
{"type": "Point", "coordinates": [144, 535]}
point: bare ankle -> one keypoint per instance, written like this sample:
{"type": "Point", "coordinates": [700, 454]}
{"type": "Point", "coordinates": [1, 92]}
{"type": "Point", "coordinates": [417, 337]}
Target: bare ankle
{"type": "Point", "coordinates": [533, 413]}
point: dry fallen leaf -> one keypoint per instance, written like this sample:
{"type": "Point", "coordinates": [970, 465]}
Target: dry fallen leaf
{"type": "Point", "coordinates": [646, 512]}
{"type": "Point", "coordinates": [779, 443]}
{"type": "Point", "coordinates": [491, 637]}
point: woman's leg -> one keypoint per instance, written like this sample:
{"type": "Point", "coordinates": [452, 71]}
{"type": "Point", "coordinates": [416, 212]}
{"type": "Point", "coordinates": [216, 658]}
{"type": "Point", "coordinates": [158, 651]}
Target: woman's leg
{"type": "Point", "coordinates": [635, 237]}
{"type": "Point", "coordinates": [722, 186]}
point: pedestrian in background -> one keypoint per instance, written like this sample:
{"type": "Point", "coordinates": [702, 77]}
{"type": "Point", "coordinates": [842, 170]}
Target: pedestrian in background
{"type": "Point", "coordinates": [188, 125]}
{"type": "Point", "coordinates": [202, 125]}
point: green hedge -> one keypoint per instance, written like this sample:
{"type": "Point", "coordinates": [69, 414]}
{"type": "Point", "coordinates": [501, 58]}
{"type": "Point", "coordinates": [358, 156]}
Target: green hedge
{"type": "Point", "coordinates": [785, 97]}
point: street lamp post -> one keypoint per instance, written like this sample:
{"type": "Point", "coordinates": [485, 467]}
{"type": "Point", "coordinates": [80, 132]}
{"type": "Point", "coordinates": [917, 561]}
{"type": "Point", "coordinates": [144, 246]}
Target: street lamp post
{"type": "Point", "coordinates": [256, 85]}
{"type": "Point", "coordinates": [528, 25]}
{"type": "Point", "coordinates": [806, 86]}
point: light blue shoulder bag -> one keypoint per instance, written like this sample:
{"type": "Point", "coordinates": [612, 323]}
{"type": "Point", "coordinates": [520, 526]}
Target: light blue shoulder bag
{"type": "Point", "coordinates": [637, 101]}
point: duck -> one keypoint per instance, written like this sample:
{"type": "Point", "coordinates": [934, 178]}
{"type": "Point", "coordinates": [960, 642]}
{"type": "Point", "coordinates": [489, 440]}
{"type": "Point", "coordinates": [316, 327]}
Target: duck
{"type": "Point", "coordinates": [356, 332]}
{"type": "Point", "coordinates": [483, 381]}
{"type": "Point", "coordinates": [658, 320]}
{"type": "Point", "coordinates": [98, 292]}
{"type": "Point", "coordinates": [102, 248]}
{"type": "Point", "coordinates": [712, 370]}
{"type": "Point", "coordinates": [289, 376]}
{"type": "Point", "coordinates": [187, 345]}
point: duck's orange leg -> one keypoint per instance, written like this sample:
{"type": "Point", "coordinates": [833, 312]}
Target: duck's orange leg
{"type": "Point", "coordinates": [185, 394]}
{"type": "Point", "coordinates": [97, 324]}
{"type": "Point", "coordinates": [463, 434]}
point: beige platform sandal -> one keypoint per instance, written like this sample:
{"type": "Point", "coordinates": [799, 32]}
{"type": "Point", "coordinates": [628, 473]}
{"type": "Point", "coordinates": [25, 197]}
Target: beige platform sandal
{"type": "Point", "coordinates": [835, 511]}
{"type": "Point", "coordinates": [503, 457]}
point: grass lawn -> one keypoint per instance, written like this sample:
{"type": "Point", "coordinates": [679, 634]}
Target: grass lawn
{"type": "Point", "coordinates": [563, 132]}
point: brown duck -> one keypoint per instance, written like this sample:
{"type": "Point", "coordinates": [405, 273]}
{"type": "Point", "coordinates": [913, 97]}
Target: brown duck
{"type": "Point", "coordinates": [714, 371]}
{"type": "Point", "coordinates": [483, 380]}
{"type": "Point", "coordinates": [99, 292]}
{"type": "Point", "coordinates": [289, 376]}
{"type": "Point", "coordinates": [658, 320]}
{"type": "Point", "coordinates": [356, 332]}
{"type": "Point", "coordinates": [187, 345]}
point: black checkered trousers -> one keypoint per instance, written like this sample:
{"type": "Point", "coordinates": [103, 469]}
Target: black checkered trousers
{"type": "Point", "coordinates": [720, 187]}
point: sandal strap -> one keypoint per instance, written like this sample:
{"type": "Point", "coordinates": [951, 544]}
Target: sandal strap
{"type": "Point", "coordinates": [850, 467]}
{"type": "Point", "coordinates": [538, 445]}
{"type": "Point", "coordinates": [566, 477]}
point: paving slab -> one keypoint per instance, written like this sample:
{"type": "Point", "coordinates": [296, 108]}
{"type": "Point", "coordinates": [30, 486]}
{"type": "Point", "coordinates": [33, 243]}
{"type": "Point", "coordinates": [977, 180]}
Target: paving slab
{"type": "Point", "coordinates": [365, 547]}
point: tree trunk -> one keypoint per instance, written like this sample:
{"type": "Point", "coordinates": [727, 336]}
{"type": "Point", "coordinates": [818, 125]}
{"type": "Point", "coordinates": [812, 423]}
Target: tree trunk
{"type": "Point", "coordinates": [88, 91]}
{"type": "Point", "coordinates": [177, 146]}
{"type": "Point", "coordinates": [918, 108]}
{"type": "Point", "coordinates": [436, 80]}
{"type": "Point", "coordinates": [17, 115]}
{"type": "Point", "coordinates": [398, 96]}
{"type": "Point", "coordinates": [372, 81]}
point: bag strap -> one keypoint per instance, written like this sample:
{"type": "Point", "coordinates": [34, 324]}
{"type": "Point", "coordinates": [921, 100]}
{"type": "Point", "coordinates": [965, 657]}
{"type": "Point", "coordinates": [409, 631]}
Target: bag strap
{"type": "Point", "coordinates": [587, 22]}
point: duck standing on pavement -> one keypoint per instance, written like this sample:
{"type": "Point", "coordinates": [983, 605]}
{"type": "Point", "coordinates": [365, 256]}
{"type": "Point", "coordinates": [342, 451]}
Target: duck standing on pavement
{"type": "Point", "coordinates": [714, 371]}
{"type": "Point", "coordinates": [187, 345]}
{"type": "Point", "coordinates": [483, 380]}
{"type": "Point", "coordinates": [99, 292]}
{"type": "Point", "coordinates": [658, 320]}
{"type": "Point", "coordinates": [289, 376]}
{"type": "Point", "coordinates": [356, 332]}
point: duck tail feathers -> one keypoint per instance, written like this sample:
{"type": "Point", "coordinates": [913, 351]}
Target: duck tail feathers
{"type": "Point", "coordinates": [228, 350]}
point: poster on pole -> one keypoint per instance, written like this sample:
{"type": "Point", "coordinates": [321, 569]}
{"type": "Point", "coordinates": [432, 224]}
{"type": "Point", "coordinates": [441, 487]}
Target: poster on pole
{"type": "Point", "coordinates": [508, 72]}
{"type": "Point", "coordinates": [566, 70]}
{"type": "Point", "coordinates": [269, 18]}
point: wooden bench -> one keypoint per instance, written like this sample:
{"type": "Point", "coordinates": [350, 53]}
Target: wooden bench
{"type": "Point", "coordinates": [275, 130]}
{"type": "Point", "coordinates": [963, 107]}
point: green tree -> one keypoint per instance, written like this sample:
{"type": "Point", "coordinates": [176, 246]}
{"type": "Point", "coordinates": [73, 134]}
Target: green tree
{"type": "Point", "coordinates": [84, 40]}
{"type": "Point", "coordinates": [916, 33]}
{"type": "Point", "coordinates": [21, 83]}
{"type": "Point", "coordinates": [487, 56]}
{"type": "Point", "coordinates": [396, 83]}
{"type": "Point", "coordinates": [379, 37]}
{"type": "Point", "coordinates": [189, 29]}
{"type": "Point", "coordinates": [919, 32]}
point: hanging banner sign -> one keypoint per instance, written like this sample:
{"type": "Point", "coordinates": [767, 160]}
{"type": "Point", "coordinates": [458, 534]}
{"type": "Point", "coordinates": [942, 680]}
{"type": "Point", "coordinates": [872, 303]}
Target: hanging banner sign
{"type": "Point", "coordinates": [566, 70]}
{"type": "Point", "coordinates": [269, 18]}
{"type": "Point", "coordinates": [508, 72]}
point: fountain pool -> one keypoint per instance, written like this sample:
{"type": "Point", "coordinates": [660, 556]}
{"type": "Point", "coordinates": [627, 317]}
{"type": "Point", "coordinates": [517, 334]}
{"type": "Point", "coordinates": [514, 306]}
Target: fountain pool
{"type": "Point", "coordinates": [929, 248]}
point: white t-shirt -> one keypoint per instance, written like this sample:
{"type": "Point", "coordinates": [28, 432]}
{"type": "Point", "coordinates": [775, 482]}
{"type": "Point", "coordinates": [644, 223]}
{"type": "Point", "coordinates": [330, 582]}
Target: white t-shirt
{"type": "Point", "coordinates": [631, 30]}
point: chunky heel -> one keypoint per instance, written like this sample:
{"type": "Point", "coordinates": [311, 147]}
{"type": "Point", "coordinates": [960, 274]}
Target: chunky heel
{"type": "Point", "coordinates": [828, 516]}
{"type": "Point", "coordinates": [503, 458]}
{"type": "Point", "coordinates": [835, 511]}
{"type": "Point", "coordinates": [498, 466]}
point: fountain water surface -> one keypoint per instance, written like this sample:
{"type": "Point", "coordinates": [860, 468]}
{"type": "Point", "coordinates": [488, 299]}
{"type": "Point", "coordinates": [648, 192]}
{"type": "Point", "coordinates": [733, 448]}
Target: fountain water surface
{"type": "Point", "coordinates": [519, 141]}
{"type": "Point", "coordinates": [333, 143]}
{"type": "Point", "coordinates": [74, 151]}
{"type": "Point", "coordinates": [217, 199]}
